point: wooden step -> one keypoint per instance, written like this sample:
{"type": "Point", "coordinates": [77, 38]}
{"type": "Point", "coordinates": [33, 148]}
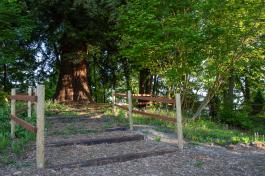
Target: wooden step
{"type": "Point", "coordinates": [113, 159]}
{"type": "Point", "coordinates": [107, 140]}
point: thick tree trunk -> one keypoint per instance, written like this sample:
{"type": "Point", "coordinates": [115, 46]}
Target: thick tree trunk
{"type": "Point", "coordinates": [145, 82]}
{"type": "Point", "coordinates": [145, 85]}
{"type": "Point", "coordinates": [73, 82]}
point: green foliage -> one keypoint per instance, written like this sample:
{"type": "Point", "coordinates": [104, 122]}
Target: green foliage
{"type": "Point", "coordinates": [199, 163]}
{"type": "Point", "coordinates": [258, 103]}
{"type": "Point", "coordinates": [4, 120]}
{"type": "Point", "coordinates": [53, 107]}
{"type": "Point", "coordinates": [202, 130]}
{"type": "Point", "coordinates": [22, 135]}
{"type": "Point", "coordinates": [15, 29]}
{"type": "Point", "coordinates": [157, 138]}
{"type": "Point", "coordinates": [207, 131]}
{"type": "Point", "coordinates": [193, 45]}
{"type": "Point", "coordinates": [3, 98]}
{"type": "Point", "coordinates": [236, 118]}
{"type": "Point", "coordinates": [4, 141]}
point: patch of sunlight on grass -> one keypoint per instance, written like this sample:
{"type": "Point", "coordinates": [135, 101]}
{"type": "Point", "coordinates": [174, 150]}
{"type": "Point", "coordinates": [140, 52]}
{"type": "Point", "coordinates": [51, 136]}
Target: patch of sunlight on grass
{"type": "Point", "coordinates": [202, 130]}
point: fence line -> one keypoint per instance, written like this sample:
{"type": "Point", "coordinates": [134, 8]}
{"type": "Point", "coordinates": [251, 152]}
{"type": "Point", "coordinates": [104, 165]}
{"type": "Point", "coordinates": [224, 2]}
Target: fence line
{"type": "Point", "coordinates": [39, 100]}
{"type": "Point", "coordinates": [130, 110]}
{"type": "Point", "coordinates": [148, 98]}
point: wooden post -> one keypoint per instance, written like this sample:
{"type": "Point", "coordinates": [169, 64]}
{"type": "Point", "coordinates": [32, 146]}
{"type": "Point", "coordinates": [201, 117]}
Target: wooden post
{"type": "Point", "coordinates": [40, 126]}
{"type": "Point", "coordinates": [113, 103]}
{"type": "Point", "coordinates": [13, 112]}
{"type": "Point", "coordinates": [130, 109]}
{"type": "Point", "coordinates": [179, 121]}
{"type": "Point", "coordinates": [29, 102]}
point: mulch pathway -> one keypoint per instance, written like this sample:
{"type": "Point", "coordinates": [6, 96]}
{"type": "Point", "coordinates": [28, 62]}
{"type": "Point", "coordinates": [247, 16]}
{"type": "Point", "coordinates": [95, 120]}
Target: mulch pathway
{"type": "Point", "coordinates": [193, 160]}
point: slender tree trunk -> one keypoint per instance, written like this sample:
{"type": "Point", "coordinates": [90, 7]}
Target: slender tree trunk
{"type": "Point", "coordinates": [145, 85]}
{"type": "Point", "coordinates": [211, 92]}
{"type": "Point", "coordinates": [214, 106]}
{"type": "Point", "coordinates": [73, 82]}
{"type": "Point", "coordinates": [155, 85]}
{"type": "Point", "coordinates": [145, 82]}
{"type": "Point", "coordinates": [5, 77]}
{"type": "Point", "coordinates": [95, 81]}
{"type": "Point", "coordinates": [127, 74]}
{"type": "Point", "coordinates": [104, 95]}
{"type": "Point", "coordinates": [247, 90]}
{"type": "Point", "coordinates": [229, 93]}
{"type": "Point", "coordinates": [184, 91]}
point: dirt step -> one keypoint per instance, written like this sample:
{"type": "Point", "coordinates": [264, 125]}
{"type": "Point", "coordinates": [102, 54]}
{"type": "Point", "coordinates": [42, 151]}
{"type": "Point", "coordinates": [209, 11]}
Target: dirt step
{"type": "Point", "coordinates": [106, 140]}
{"type": "Point", "coordinates": [87, 136]}
{"type": "Point", "coordinates": [113, 159]}
{"type": "Point", "coordinates": [76, 153]}
{"type": "Point", "coordinates": [75, 118]}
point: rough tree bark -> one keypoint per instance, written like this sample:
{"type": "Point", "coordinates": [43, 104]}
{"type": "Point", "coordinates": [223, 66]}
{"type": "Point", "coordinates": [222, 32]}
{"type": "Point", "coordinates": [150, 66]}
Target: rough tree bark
{"type": "Point", "coordinates": [72, 83]}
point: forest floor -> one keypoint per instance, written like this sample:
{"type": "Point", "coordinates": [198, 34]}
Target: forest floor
{"type": "Point", "coordinates": [195, 159]}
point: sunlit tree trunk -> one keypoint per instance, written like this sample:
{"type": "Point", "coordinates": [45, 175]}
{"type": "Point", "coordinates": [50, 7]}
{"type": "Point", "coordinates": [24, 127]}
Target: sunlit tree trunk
{"type": "Point", "coordinates": [72, 83]}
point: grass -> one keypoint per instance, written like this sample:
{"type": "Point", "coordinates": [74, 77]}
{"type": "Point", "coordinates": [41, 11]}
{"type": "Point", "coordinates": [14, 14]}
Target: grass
{"type": "Point", "coordinates": [199, 164]}
{"type": "Point", "coordinates": [157, 138]}
{"type": "Point", "coordinates": [17, 145]}
{"type": "Point", "coordinates": [53, 108]}
{"type": "Point", "coordinates": [200, 131]}
{"type": "Point", "coordinates": [4, 142]}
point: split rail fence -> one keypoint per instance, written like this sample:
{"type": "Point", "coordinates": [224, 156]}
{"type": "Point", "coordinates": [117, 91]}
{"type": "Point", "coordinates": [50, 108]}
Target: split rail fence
{"type": "Point", "coordinates": [38, 98]}
{"type": "Point", "coordinates": [129, 108]}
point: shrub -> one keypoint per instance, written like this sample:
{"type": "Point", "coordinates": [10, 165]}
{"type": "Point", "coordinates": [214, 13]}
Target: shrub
{"type": "Point", "coordinates": [3, 98]}
{"type": "Point", "coordinates": [258, 103]}
{"type": "Point", "coordinates": [236, 118]}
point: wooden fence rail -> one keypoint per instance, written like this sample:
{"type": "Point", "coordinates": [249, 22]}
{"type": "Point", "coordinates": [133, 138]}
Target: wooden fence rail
{"type": "Point", "coordinates": [22, 97]}
{"type": "Point", "coordinates": [130, 110]}
{"type": "Point", "coordinates": [38, 100]}
{"type": "Point", "coordinates": [24, 124]}
{"type": "Point", "coordinates": [148, 98]}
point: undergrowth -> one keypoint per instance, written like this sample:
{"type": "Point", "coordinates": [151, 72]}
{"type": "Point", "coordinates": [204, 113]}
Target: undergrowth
{"type": "Point", "coordinates": [200, 131]}
{"type": "Point", "coordinates": [16, 145]}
